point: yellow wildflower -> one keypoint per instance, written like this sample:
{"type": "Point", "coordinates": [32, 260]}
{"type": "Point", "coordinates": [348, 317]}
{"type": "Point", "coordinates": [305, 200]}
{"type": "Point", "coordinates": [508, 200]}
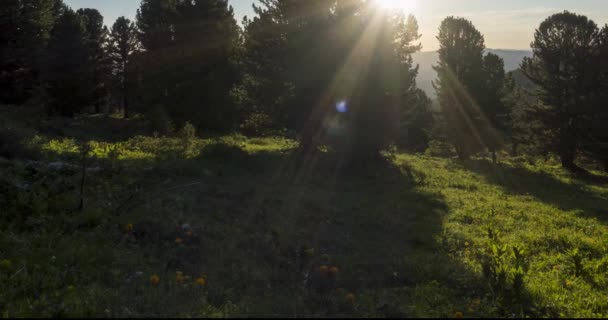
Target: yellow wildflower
{"type": "Point", "coordinates": [458, 314]}
{"type": "Point", "coordinates": [129, 227]}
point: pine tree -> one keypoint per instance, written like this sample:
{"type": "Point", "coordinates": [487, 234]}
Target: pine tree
{"type": "Point", "coordinates": [264, 88]}
{"type": "Point", "coordinates": [493, 108]}
{"type": "Point", "coordinates": [206, 41]}
{"type": "Point", "coordinates": [123, 45]}
{"type": "Point", "coordinates": [460, 83]}
{"type": "Point", "coordinates": [25, 32]}
{"type": "Point", "coordinates": [562, 66]}
{"type": "Point", "coordinates": [9, 45]}
{"type": "Point", "coordinates": [66, 65]}
{"type": "Point", "coordinates": [337, 72]}
{"type": "Point", "coordinates": [595, 143]}
{"type": "Point", "coordinates": [95, 39]}
{"type": "Point", "coordinates": [189, 49]}
{"type": "Point", "coordinates": [154, 22]}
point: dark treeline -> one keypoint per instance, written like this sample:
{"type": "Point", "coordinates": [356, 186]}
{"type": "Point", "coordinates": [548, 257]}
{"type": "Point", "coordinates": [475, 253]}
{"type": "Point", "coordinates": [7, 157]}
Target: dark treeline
{"type": "Point", "coordinates": [333, 72]}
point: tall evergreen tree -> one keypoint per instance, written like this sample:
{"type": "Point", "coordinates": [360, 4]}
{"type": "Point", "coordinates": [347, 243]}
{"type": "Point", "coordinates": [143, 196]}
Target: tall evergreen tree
{"type": "Point", "coordinates": [492, 103]}
{"type": "Point", "coordinates": [9, 45]}
{"type": "Point", "coordinates": [324, 67]}
{"type": "Point", "coordinates": [203, 66]}
{"type": "Point", "coordinates": [156, 34]}
{"type": "Point", "coordinates": [96, 42]}
{"type": "Point", "coordinates": [562, 67]}
{"type": "Point", "coordinates": [517, 126]}
{"type": "Point", "coordinates": [66, 65]}
{"type": "Point", "coordinates": [123, 44]}
{"type": "Point", "coordinates": [460, 83]}
{"type": "Point", "coordinates": [264, 88]}
{"type": "Point", "coordinates": [189, 46]}
{"type": "Point", "coordinates": [26, 27]}
{"type": "Point", "coordinates": [595, 143]}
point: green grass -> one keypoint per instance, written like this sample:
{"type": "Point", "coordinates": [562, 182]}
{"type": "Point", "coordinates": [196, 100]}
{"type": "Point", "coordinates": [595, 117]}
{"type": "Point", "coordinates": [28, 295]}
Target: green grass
{"type": "Point", "coordinates": [410, 235]}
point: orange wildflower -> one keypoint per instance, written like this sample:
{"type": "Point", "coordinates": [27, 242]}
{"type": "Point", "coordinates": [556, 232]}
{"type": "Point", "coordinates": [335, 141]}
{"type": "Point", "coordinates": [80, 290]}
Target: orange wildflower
{"type": "Point", "coordinates": [154, 279]}
{"type": "Point", "coordinates": [179, 240]}
{"type": "Point", "coordinates": [350, 298]}
{"type": "Point", "coordinates": [458, 315]}
{"type": "Point", "coordinates": [323, 269]}
{"type": "Point", "coordinates": [201, 281]}
{"type": "Point", "coordinates": [129, 227]}
{"type": "Point", "coordinates": [179, 277]}
{"type": "Point", "coordinates": [333, 271]}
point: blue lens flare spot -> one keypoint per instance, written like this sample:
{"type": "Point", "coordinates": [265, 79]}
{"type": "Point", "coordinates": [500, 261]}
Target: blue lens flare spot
{"type": "Point", "coordinates": [342, 107]}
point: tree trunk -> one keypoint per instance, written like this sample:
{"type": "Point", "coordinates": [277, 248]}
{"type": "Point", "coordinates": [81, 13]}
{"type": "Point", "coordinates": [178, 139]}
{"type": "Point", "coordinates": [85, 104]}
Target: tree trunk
{"type": "Point", "coordinates": [125, 93]}
{"type": "Point", "coordinates": [97, 108]}
{"type": "Point", "coordinates": [460, 150]}
{"type": "Point", "coordinates": [567, 159]}
{"type": "Point", "coordinates": [514, 149]}
{"type": "Point", "coordinates": [125, 103]}
{"type": "Point", "coordinates": [494, 158]}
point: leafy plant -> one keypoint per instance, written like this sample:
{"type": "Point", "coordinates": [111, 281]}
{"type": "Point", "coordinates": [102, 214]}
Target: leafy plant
{"type": "Point", "coordinates": [576, 260]}
{"type": "Point", "coordinates": [505, 269]}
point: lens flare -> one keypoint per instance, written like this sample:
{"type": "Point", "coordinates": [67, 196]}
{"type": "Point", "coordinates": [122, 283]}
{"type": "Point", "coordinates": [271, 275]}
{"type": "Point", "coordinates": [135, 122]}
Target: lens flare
{"type": "Point", "coordinates": [342, 106]}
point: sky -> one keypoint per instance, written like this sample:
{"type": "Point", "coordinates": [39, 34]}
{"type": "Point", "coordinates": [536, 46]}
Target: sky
{"type": "Point", "coordinates": [506, 24]}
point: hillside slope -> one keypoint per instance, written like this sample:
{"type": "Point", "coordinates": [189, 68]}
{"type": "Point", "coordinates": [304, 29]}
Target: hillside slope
{"type": "Point", "coordinates": [231, 226]}
{"type": "Point", "coordinates": [428, 59]}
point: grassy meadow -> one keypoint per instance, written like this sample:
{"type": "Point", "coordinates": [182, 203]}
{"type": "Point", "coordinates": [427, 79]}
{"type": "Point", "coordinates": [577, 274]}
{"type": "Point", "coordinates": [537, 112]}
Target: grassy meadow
{"type": "Point", "coordinates": [228, 226]}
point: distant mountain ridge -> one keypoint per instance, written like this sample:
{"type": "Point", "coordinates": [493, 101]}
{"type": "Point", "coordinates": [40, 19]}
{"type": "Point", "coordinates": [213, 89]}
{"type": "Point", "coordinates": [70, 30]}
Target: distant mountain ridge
{"type": "Point", "coordinates": [428, 59]}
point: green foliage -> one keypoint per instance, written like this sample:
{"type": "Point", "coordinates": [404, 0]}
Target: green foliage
{"type": "Point", "coordinates": [24, 34]}
{"type": "Point", "coordinates": [564, 68]}
{"type": "Point", "coordinates": [66, 66]}
{"type": "Point", "coordinates": [505, 268]}
{"type": "Point", "coordinates": [333, 44]}
{"type": "Point", "coordinates": [95, 39]}
{"type": "Point", "coordinates": [123, 46]}
{"type": "Point", "coordinates": [187, 135]}
{"type": "Point", "coordinates": [576, 260]}
{"type": "Point", "coordinates": [417, 122]}
{"type": "Point", "coordinates": [471, 91]}
{"type": "Point", "coordinates": [191, 45]}
{"type": "Point", "coordinates": [422, 252]}
{"type": "Point", "coordinates": [460, 83]}
{"type": "Point", "coordinates": [258, 124]}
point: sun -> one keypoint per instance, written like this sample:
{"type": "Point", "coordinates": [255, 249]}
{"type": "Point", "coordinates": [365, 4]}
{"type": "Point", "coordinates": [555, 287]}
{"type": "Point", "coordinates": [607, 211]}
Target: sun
{"type": "Point", "coordinates": [403, 5]}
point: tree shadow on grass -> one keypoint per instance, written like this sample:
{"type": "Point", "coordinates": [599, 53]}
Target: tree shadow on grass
{"type": "Point", "coordinates": [267, 222]}
{"type": "Point", "coordinates": [546, 188]}
{"type": "Point", "coordinates": [285, 216]}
